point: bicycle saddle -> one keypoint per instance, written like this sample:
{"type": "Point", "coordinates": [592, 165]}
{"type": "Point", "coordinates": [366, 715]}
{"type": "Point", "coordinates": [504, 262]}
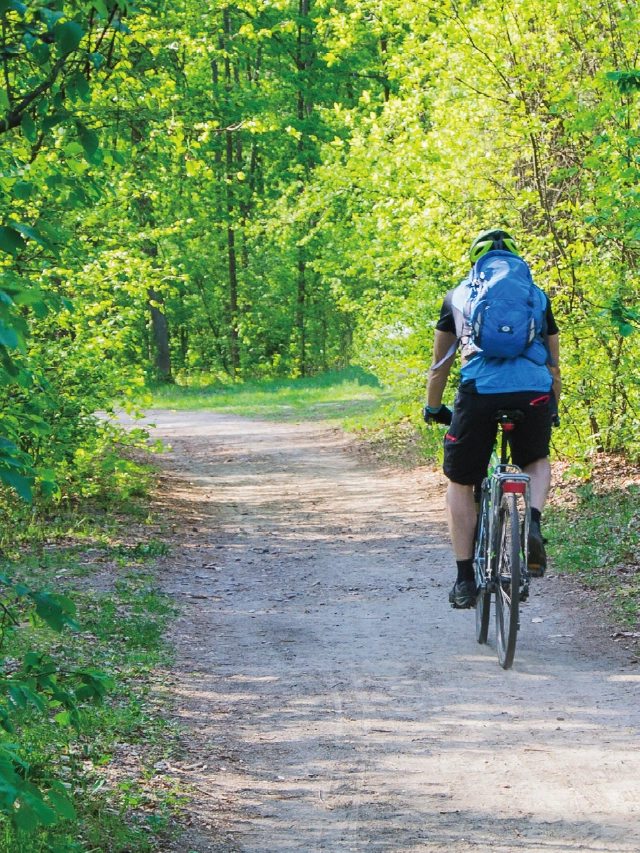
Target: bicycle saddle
{"type": "Point", "coordinates": [508, 416]}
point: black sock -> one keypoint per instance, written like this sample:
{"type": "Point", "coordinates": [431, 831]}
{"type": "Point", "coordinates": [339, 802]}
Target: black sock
{"type": "Point", "coordinates": [536, 516]}
{"type": "Point", "coordinates": [465, 571]}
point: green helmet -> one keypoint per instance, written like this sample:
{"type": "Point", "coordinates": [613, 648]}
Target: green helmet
{"type": "Point", "coordinates": [496, 238]}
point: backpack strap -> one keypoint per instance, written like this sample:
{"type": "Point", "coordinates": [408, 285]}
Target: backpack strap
{"type": "Point", "coordinates": [451, 352]}
{"type": "Point", "coordinates": [544, 333]}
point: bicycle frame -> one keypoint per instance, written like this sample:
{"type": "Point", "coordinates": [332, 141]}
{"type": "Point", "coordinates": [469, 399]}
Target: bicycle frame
{"type": "Point", "coordinates": [505, 478]}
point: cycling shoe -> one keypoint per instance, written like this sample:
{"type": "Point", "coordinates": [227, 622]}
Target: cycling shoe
{"type": "Point", "coordinates": [537, 556]}
{"type": "Point", "coordinates": [463, 595]}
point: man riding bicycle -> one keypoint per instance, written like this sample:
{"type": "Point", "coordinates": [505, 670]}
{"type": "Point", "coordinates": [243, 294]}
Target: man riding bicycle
{"type": "Point", "coordinates": [529, 381]}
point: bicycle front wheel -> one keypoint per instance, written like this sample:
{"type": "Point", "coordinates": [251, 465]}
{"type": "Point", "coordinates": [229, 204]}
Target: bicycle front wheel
{"type": "Point", "coordinates": [507, 580]}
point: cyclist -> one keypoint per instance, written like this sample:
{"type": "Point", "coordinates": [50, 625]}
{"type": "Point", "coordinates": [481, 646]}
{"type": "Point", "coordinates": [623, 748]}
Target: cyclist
{"type": "Point", "coordinates": [486, 385]}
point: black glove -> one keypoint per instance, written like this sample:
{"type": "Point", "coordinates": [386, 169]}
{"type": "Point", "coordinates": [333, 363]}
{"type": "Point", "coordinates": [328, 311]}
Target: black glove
{"type": "Point", "coordinates": [555, 420]}
{"type": "Point", "coordinates": [442, 416]}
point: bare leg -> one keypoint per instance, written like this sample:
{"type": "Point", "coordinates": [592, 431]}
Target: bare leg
{"type": "Point", "coordinates": [461, 517]}
{"type": "Point", "coordinates": [540, 474]}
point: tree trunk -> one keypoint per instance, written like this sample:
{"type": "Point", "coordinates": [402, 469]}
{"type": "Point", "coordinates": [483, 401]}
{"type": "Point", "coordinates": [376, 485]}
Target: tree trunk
{"type": "Point", "coordinates": [303, 63]}
{"type": "Point", "coordinates": [231, 237]}
{"type": "Point", "coordinates": [233, 300]}
{"type": "Point", "coordinates": [160, 328]}
{"type": "Point", "coordinates": [302, 284]}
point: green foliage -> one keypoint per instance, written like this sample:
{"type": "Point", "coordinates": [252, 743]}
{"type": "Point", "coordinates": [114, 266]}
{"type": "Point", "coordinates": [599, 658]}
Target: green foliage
{"type": "Point", "coordinates": [56, 56]}
{"type": "Point", "coordinates": [42, 686]}
{"type": "Point", "coordinates": [63, 751]}
{"type": "Point", "coordinates": [265, 190]}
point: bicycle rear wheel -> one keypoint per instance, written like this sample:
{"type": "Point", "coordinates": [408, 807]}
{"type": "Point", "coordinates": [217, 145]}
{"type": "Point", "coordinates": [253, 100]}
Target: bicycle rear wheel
{"type": "Point", "coordinates": [483, 570]}
{"type": "Point", "coordinates": [507, 580]}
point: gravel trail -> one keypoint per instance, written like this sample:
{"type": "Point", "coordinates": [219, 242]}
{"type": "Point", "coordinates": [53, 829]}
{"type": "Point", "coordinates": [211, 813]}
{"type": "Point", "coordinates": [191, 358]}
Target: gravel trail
{"type": "Point", "coordinates": [332, 700]}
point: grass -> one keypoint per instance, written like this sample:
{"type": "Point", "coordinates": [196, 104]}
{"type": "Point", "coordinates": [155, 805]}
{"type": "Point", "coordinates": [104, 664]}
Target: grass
{"type": "Point", "coordinates": [389, 421]}
{"type": "Point", "coordinates": [333, 396]}
{"type": "Point", "coordinates": [598, 540]}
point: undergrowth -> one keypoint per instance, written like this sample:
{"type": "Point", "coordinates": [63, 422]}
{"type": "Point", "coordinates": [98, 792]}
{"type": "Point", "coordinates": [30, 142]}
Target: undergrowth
{"type": "Point", "coordinates": [93, 543]}
{"type": "Point", "coordinates": [122, 620]}
{"type": "Point", "coordinates": [598, 540]}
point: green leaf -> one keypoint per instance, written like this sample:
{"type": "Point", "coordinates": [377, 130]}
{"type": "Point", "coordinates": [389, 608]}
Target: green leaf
{"type": "Point", "coordinates": [17, 482]}
{"type": "Point", "coordinates": [22, 190]}
{"type": "Point", "coordinates": [29, 129]}
{"type": "Point", "coordinates": [32, 697]}
{"type": "Point", "coordinates": [50, 17]}
{"type": "Point", "coordinates": [18, 696]}
{"type": "Point", "coordinates": [78, 87]}
{"type": "Point", "coordinates": [5, 720]}
{"type": "Point", "coordinates": [25, 818]}
{"type": "Point", "coordinates": [67, 604]}
{"type": "Point", "coordinates": [72, 149]}
{"type": "Point", "coordinates": [68, 37]}
{"type": "Point", "coordinates": [50, 489]}
{"type": "Point", "coordinates": [97, 59]}
{"type": "Point", "coordinates": [28, 297]}
{"type": "Point", "coordinates": [30, 660]}
{"type": "Point", "coordinates": [627, 81]}
{"type": "Point", "coordinates": [100, 8]}
{"type": "Point", "coordinates": [54, 119]}
{"type": "Point", "coordinates": [8, 336]}
{"type": "Point", "coordinates": [34, 234]}
{"type": "Point", "coordinates": [63, 718]}
{"type": "Point", "coordinates": [41, 53]}
{"type": "Point", "coordinates": [4, 100]}
{"type": "Point", "coordinates": [88, 138]}
{"type": "Point", "coordinates": [56, 610]}
{"type": "Point", "coordinates": [62, 805]}
{"type": "Point", "coordinates": [95, 686]}
{"type": "Point", "coordinates": [32, 796]}
{"type": "Point", "coordinates": [10, 240]}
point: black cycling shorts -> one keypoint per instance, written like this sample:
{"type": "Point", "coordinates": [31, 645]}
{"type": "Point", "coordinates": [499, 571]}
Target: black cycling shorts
{"type": "Point", "coordinates": [470, 439]}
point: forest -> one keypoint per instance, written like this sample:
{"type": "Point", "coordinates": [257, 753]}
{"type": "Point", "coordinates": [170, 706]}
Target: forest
{"type": "Point", "coordinates": [221, 191]}
{"type": "Point", "coordinates": [205, 193]}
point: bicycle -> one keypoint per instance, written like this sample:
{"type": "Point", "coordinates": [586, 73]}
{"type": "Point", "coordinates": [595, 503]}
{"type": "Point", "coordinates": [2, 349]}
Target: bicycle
{"type": "Point", "coordinates": [501, 546]}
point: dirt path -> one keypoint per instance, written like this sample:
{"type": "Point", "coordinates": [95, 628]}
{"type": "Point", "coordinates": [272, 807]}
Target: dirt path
{"type": "Point", "coordinates": [331, 698]}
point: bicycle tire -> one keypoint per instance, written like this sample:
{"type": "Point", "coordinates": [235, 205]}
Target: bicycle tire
{"type": "Point", "coordinates": [483, 601]}
{"type": "Point", "coordinates": [483, 614]}
{"type": "Point", "coordinates": [507, 580]}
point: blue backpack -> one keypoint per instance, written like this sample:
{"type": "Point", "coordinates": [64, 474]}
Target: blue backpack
{"type": "Point", "coordinates": [505, 311]}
